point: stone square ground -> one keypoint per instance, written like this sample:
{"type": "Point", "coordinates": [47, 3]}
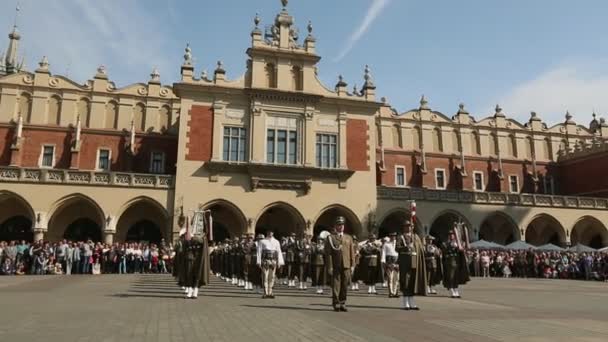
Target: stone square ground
{"type": "Point", "coordinates": [151, 308]}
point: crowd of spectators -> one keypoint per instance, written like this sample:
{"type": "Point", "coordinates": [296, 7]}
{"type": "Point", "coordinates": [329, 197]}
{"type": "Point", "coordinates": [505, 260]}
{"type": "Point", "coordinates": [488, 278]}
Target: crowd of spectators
{"type": "Point", "coordinates": [539, 264]}
{"type": "Point", "coordinates": [83, 257]}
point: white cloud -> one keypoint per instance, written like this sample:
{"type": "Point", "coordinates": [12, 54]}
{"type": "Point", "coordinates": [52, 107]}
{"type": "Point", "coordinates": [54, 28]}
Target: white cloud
{"type": "Point", "coordinates": [80, 35]}
{"type": "Point", "coordinates": [571, 87]}
{"type": "Point", "coordinates": [374, 10]}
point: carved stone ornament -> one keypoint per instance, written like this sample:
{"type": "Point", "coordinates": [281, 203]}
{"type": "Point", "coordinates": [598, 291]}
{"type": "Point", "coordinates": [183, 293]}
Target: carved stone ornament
{"type": "Point", "coordinates": [562, 129]}
{"type": "Point", "coordinates": [164, 92]}
{"type": "Point", "coordinates": [309, 114]}
{"type": "Point", "coordinates": [493, 123]}
{"type": "Point", "coordinates": [28, 79]}
{"type": "Point", "coordinates": [110, 86]}
{"type": "Point", "coordinates": [434, 117]}
{"type": "Point", "coordinates": [53, 82]}
{"type": "Point", "coordinates": [142, 91]}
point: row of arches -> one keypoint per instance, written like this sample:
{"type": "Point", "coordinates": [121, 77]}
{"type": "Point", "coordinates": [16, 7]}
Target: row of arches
{"type": "Point", "coordinates": [77, 217]}
{"type": "Point", "coordinates": [83, 110]}
{"type": "Point", "coordinates": [501, 228]}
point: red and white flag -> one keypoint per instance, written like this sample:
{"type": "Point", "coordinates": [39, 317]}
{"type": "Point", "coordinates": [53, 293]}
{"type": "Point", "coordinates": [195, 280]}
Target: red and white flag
{"type": "Point", "coordinates": [413, 212]}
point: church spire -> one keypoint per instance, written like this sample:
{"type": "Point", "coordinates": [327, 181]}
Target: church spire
{"type": "Point", "coordinates": [11, 60]}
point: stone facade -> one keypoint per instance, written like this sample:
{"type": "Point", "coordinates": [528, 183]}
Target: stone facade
{"type": "Point", "coordinates": [276, 149]}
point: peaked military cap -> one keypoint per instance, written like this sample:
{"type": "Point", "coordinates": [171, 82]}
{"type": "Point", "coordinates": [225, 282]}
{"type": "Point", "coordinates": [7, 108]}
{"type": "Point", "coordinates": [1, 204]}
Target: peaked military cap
{"type": "Point", "coordinates": [340, 220]}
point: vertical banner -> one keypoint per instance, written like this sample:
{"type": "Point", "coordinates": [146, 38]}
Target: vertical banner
{"type": "Point", "coordinates": [413, 214]}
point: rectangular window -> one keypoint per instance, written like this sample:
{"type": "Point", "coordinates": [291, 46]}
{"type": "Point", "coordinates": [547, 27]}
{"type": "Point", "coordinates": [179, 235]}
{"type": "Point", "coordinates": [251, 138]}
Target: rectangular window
{"type": "Point", "coordinates": [478, 181]}
{"type": "Point", "coordinates": [103, 162]}
{"type": "Point", "coordinates": [327, 150]}
{"type": "Point", "coordinates": [513, 184]}
{"type": "Point", "coordinates": [440, 179]}
{"type": "Point", "coordinates": [234, 144]}
{"type": "Point", "coordinates": [282, 146]}
{"type": "Point", "coordinates": [157, 162]}
{"type": "Point", "coordinates": [48, 156]}
{"type": "Point", "coordinates": [399, 176]}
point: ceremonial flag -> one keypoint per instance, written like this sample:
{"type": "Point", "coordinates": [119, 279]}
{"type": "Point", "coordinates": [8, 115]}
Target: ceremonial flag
{"type": "Point", "coordinates": [413, 213]}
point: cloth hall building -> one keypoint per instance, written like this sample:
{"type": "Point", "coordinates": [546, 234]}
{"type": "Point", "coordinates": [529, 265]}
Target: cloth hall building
{"type": "Point", "coordinates": [277, 149]}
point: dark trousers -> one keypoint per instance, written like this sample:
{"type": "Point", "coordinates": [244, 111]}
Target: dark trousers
{"type": "Point", "coordinates": [407, 278]}
{"type": "Point", "coordinates": [340, 280]}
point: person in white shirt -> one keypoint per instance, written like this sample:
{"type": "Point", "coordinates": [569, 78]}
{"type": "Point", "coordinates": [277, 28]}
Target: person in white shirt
{"type": "Point", "coordinates": [388, 259]}
{"type": "Point", "coordinates": [269, 258]}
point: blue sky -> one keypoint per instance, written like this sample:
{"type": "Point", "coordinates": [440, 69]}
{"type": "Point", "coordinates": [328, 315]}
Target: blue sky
{"type": "Point", "coordinates": [535, 55]}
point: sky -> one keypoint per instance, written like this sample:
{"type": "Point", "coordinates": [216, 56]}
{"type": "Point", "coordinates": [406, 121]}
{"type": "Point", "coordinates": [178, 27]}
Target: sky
{"type": "Point", "coordinates": [547, 56]}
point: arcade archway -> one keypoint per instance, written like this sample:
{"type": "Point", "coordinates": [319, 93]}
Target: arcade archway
{"type": "Point", "coordinates": [76, 217]}
{"type": "Point", "coordinates": [545, 229]}
{"type": "Point", "coordinates": [142, 220]}
{"type": "Point", "coordinates": [16, 216]}
{"type": "Point", "coordinates": [392, 223]}
{"type": "Point", "coordinates": [228, 220]}
{"type": "Point", "coordinates": [327, 218]}
{"type": "Point", "coordinates": [499, 228]}
{"type": "Point", "coordinates": [589, 231]}
{"type": "Point", "coordinates": [444, 222]}
{"type": "Point", "coordinates": [282, 219]}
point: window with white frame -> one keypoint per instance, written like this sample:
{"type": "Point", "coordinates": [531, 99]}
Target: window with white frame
{"type": "Point", "coordinates": [327, 150]}
{"type": "Point", "coordinates": [513, 184]}
{"type": "Point", "coordinates": [103, 159]}
{"type": "Point", "coordinates": [440, 179]}
{"type": "Point", "coordinates": [47, 156]}
{"type": "Point", "coordinates": [235, 143]}
{"type": "Point", "coordinates": [157, 162]}
{"type": "Point", "coordinates": [399, 175]}
{"type": "Point", "coordinates": [282, 141]}
{"type": "Point", "coordinates": [477, 181]}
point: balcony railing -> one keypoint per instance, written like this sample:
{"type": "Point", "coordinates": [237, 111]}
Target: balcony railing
{"type": "Point", "coordinates": [95, 178]}
{"type": "Point", "coordinates": [496, 198]}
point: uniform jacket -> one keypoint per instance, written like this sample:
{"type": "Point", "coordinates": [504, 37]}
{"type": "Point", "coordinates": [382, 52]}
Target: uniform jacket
{"type": "Point", "coordinates": [344, 256]}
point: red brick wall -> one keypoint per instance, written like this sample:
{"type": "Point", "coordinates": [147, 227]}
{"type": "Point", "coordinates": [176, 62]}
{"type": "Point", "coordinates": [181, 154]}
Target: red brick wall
{"type": "Point", "coordinates": [34, 138]}
{"type": "Point", "coordinates": [585, 176]}
{"type": "Point", "coordinates": [357, 145]}
{"type": "Point", "coordinates": [200, 136]}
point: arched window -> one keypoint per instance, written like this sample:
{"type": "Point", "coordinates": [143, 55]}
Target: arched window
{"type": "Point", "coordinates": [164, 118]}
{"type": "Point", "coordinates": [437, 143]}
{"type": "Point", "coordinates": [416, 138]}
{"type": "Point", "coordinates": [24, 107]}
{"type": "Point", "coordinates": [475, 148]}
{"type": "Point", "coordinates": [455, 141]}
{"type": "Point", "coordinates": [528, 148]}
{"type": "Point", "coordinates": [493, 144]}
{"type": "Point", "coordinates": [139, 117]}
{"type": "Point", "coordinates": [111, 115]}
{"type": "Point", "coordinates": [271, 80]}
{"type": "Point", "coordinates": [397, 139]}
{"type": "Point", "coordinates": [512, 146]}
{"type": "Point", "coordinates": [54, 117]}
{"type": "Point", "coordinates": [83, 109]}
{"type": "Point", "coordinates": [296, 78]}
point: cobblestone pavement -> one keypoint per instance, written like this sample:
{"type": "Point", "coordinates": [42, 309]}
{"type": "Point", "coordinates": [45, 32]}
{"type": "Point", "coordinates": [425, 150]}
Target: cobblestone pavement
{"type": "Point", "coordinates": [151, 308]}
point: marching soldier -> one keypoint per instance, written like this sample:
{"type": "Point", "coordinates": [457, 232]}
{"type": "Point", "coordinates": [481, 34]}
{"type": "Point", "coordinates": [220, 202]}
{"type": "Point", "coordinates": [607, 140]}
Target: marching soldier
{"type": "Point", "coordinates": [196, 263]}
{"type": "Point", "coordinates": [255, 273]}
{"type": "Point", "coordinates": [357, 275]}
{"type": "Point", "coordinates": [290, 260]}
{"type": "Point", "coordinates": [226, 261]}
{"type": "Point", "coordinates": [303, 251]}
{"type": "Point", "coordinates": [318, 265]}
{"type": "Point", "coordinates": [269, 258]}
{"type": "Point", "coordinates": [455, 267]}
{"type": "Point", "coordinates": [249, 261]}
{"type": "Point", "coordinates": [412, 267]}
{"type": "Point", "coordinates": [371, 271]}
{"type": "Point", "coordinates": [432, 256]}
{"type": "Point", "coordinates": [340, 258]}
{"type": "Point", "coordinates": [389, 263]}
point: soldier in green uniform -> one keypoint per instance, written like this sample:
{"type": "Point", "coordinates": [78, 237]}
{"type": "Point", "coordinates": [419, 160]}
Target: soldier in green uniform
{"type": "Point", "coordinates": [318, 265]}
{"type": "Point", "coordinates": [432, 256]}
{"type": "Point", "coordinates": [340, 258]}
{"type": "Point", "coordinates": [455, 266]}
{"type": "Point", "coordinates": [178, 260]}
{"type": "Point", "coordinates": [412, 267]}
{"type": "Point", "coordinates": [196, 263]}
{"type": "Point", "coordinates": [249, 260]}
{"type": "Point", "coordinates": [371, 272]}
{"type": "Point", "coordinates": [303, 251]}
{"type": "Point", "coordinates": [290, 260]}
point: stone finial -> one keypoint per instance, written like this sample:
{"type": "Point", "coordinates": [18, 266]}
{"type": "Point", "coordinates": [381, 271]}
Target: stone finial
{"type": "Point", "coordinates": [257, 21]}
{"type": "Point", "coordinates": [309, 27]}
{"type": "Point", "coordinates": [534, 116]}
{"type": "Point", "coordinates": [284, 3]}
{"type": "Point", "coordinates": [220, 68]}
{"type": "Point", "coordinates": [602, 122]}
{"type": "Point", "coordinates": [188, 55]}
{"type": "Point", "coordinates": [341, 82]}
{"type": "Point", "coordinates": [44, 64]}
{"type": "Point", "coordinates": [498, 111]}
{"type": "Point", "coordinates": [204, 75]}
{"type": "Point", "coordinates": [424, 104]}
{"type": "Point", "coordinates": [367, 76]}
{"type": "Point", "coordinates": [568, 117]}
{"type": "Point", "coordinates": [461, 109]}
{"type": "Point", "coordinates": [102, 72]}
{"type": "Point", "coordinates": [155, 75]}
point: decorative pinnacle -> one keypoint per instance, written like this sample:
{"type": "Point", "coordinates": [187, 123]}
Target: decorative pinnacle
{"type": "Point", "coordinates": [423, 102]}
{"type": "Point", "coordinates": [341, 82]}
{"type": "Point", "coordinates": [498, 109]}
{"type": "Point", "coordinates": [367, 75]}
{"type": "Point", "coordinates": [309, 27]}
{"type": "Point", "coordinates": [257, 20]}
{"type": "Point", "coordinates": [101, 70]}
{"type": "Point", "coordinates": [188, 55]}
{"type": "Point", "coordinates": [461, 109]}
{"type": "Point", "coordinates": [44, 63]}
{"type": "Point", "coordinates": [155, 75]}
{"type": "Point", "coordinates": [568, 116]}
{"type": "Point", "coordinates": [220, 68]}
{"type": "Point", "coordinates": [285, 3]}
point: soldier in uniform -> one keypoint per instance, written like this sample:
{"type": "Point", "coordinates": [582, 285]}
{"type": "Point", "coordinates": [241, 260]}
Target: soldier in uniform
{"type": "Point", "coordinates": [303, 251]}
{"type": "Point", "coordinates": [432, 256]}
{"type": "Point", "coordinates": [318, 265]}
{"type": "Point", "coordinates": [389, 263]}
{"type": "Point", "coordinates": [455, 266]}
{"type": "Point", "coordinates": [290, 260]}
{"type": "Point", "coordinates": [196, 263]}
{"type": "Point", "coordinates": [371, 272]}
{"type": "Point", "coordinates": [340, 258]}
{"type": "Point", "coordinates": [269, 258]}
{"type": "Point", "coordinates": [255, 273]}
{"type": "Point", "coordinates": [357, 275]}
{"type": "Point", "coordinates": [412, 267]}
{"type": "Point", "coordinates": [227, 263]}
{"type": "Point", "coordinates": [249, 261]}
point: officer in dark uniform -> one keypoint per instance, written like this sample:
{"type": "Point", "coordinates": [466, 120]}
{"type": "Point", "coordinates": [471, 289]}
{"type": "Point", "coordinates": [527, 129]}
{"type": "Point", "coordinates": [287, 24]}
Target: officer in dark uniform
{"type": "Point", "coordinates": [249, 260]}
{"type": "Point", "coordinates": [303, 251]}
{"type": "Point", "coordinates": [369, 265]}
{"type": "Point", "coordinates": [455, 267]}
{"type": "Point", "coordinates": [340, 258]}
{"type": "Point", "coordinates": [432, 256]}
{"type": "Point", "coordinates": [412, 267]}
{"type": "Point", "coordinates": [290, 260]}
{"type": "Point", "coordinates": [196, 264]}
{"type": "Point", "coordinates": [318, 265]}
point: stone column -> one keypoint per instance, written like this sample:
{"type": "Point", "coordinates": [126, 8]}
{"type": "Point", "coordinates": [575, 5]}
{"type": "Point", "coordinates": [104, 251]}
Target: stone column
{"type": "Point", "coordinates": [38, 234]}
{"type": "Point", "coordinates": [108, 237]}
{"type": "Point", "coordinates": [219, 109]}
{"type": "Point", "coordinates": [342, 140]}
